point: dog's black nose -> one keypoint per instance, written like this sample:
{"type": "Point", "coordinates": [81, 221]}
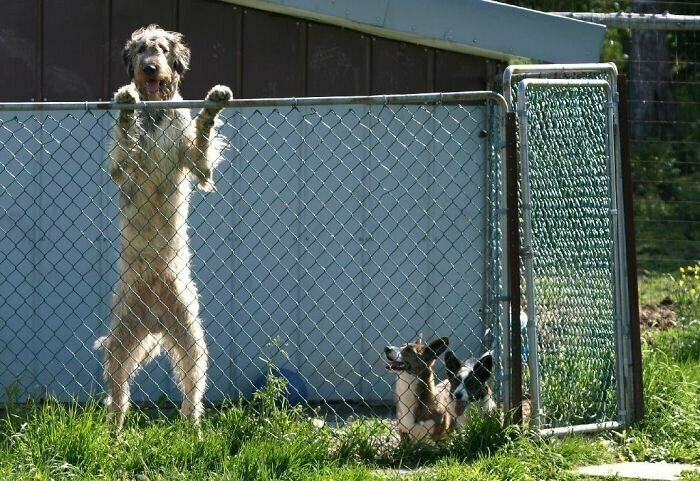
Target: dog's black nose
{"type": "Point", "coordinates": [150, 68]}
{"type": "Point", "coordinates": [387, 349]}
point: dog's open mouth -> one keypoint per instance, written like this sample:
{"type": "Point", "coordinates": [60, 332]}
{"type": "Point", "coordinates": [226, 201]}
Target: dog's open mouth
{"type": "Point", "coordinates": [153, 86]}
{"type": "Point", "coordinates": [459, 407]}
{"type": "Point", "coordinates": [395, 366]}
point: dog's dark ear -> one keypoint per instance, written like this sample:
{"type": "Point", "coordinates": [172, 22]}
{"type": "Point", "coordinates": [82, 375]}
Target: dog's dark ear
{"type": "Point", "coordinates": [181, 53]}
{"type": "Point", "coordinates": [129, 51]}
{"type": "Point", "coordinates": [484, 367]}
{"type": "Point", "coordinates": [128, 58]}
{"type": "Point", "coordinates": [435, 348]}
{"type": "Point", "coordinates": [452, 363]}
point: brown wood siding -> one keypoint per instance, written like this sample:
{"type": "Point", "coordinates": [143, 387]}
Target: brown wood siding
{"type": "Point", "coordinates": [400, 68]}
{"type": "Point", "coordinates": [212, 31]}
{"type": "Point", "coordinates": [68, 50]}
{"type": "Point", "coordinates": [455, 72]}
{"type": "Point", "coordinates": [74, 41]}
{"type": "Point", "coordinates": [20, 75]}
{"type": "Point", "coordinates": [274, 55]}
{"type": "Point", "coordinates": [338, 61]}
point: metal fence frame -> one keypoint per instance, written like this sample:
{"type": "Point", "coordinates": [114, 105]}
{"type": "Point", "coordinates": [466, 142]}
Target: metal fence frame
{"type": "Point", "coordinates": [630, 405]}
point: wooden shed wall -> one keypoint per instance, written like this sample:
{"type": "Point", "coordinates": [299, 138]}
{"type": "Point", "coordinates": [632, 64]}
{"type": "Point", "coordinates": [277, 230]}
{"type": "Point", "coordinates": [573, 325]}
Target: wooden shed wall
{"type": "Point", "coordinates": [67, 50]}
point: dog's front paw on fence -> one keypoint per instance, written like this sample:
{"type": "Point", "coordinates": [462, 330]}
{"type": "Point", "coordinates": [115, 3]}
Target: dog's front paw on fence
{"type": "Point", "coordinates": [220, 93]}
{"type": "Point", "coordinates": [127, 95]}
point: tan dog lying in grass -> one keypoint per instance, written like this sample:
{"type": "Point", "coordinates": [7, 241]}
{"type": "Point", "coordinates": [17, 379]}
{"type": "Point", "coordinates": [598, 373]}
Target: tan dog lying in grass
{"type": "Point", "coordinates": [421, 404]}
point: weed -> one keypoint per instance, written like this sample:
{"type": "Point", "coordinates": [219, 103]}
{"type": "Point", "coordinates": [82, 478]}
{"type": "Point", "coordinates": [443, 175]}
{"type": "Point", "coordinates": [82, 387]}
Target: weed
{"type": "Point", "coordinates": [687, 293]}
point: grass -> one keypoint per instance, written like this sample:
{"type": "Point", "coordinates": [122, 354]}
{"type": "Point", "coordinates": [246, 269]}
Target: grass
{"type": "Point", "coordinates": [63, 442]}
{"type": "Point", "coordinates": [655, 286]}
{"type": "Point", "coordinates": [269, 440]}
{"type": "Point", "coordinates": [680, 288]}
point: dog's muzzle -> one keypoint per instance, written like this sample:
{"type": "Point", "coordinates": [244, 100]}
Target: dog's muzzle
{"type": "Point", "coordinates": [462, 397]}
{"type": "Point", "coordinates": [460, 402]}
{"type": "Point", "coordinates": [393, 355]}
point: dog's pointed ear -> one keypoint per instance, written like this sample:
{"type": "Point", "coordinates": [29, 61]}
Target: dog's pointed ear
{"type": "Point", "coordinates": [452, 363]}
{"type": "Point", "coordinates": [435, 348]}
{"type": "Point", "coordinates": [484, 367]}
{"type": "Point", "coordinates": [181, 53]}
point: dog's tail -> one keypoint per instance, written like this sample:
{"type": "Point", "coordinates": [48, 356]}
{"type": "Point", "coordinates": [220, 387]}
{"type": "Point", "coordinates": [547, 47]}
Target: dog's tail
{"type": "Point", "coordinates": [151, 344]}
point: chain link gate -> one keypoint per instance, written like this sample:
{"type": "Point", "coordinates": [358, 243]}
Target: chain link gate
{"type": "Point", "coordinates": [339, 226]}
{"type": "Point", "coordinates": [576, 332]}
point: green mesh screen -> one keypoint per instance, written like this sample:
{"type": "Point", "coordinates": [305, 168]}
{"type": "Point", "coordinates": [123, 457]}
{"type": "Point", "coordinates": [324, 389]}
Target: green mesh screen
{"type": "Point", "coordinates": [572, 242]}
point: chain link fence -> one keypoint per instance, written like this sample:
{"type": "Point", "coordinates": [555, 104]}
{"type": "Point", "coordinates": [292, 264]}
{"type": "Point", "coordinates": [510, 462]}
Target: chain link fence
{"type": "Point", "coordinates": [338, 226]}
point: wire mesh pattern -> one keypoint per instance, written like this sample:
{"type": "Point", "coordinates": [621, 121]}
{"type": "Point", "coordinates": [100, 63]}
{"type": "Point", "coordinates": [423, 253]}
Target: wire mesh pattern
{"type": "Point", "coordinates": [570, 176]}
{"type": "Point", "coordinates": [335, 230]}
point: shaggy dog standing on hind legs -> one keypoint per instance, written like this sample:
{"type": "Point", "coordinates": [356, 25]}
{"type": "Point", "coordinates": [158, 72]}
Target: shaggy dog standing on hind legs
{"type": "Point", "coordinates": [155, 154]}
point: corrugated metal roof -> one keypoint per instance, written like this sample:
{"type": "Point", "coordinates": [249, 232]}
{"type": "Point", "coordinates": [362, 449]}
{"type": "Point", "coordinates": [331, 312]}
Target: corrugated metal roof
{"type": "Point", "coordinates": [480, 27]}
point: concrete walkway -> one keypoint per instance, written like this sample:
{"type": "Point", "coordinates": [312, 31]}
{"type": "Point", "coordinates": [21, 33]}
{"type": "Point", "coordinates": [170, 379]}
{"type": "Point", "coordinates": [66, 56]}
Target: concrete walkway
{"type": "Point", "coordinates": [639, 471]}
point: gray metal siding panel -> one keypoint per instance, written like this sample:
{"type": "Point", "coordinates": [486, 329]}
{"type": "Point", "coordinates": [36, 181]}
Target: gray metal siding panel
{"type": "Point", "coordinates": [331, 235]}
{"type": "Point", "coordinates": [71, 176]}
{"type": "Point", "coordinates": [310, 236]}
{"type": "Point", "coordinates": [19, 258]}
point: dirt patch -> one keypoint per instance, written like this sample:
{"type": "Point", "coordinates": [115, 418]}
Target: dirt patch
{"type": "Point", "coordinates": [657, 316]}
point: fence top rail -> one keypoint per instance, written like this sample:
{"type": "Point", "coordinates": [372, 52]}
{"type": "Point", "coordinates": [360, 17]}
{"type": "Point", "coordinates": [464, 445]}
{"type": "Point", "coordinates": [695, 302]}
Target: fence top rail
{"type": "Point", "coordinates": [421, 98]}
{"type": "Point", "coordinates": [513, 72]}
{"type": "Point", "coordinates": [641, 21]}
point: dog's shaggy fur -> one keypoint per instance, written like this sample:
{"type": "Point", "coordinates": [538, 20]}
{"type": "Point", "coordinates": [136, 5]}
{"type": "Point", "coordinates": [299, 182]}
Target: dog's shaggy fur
{"type": "Point", "coordinates": [155, 153]}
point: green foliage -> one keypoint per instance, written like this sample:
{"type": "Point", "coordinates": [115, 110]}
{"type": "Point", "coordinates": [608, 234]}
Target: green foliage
{"type": "Point", "coordinates": [666, 189]}
{"type": "Point", "coordinates": [577, 389]}
{"type": "Point", "coordinates": [363, 440]}
{"type": "Point", "coordinates": [655, 287]}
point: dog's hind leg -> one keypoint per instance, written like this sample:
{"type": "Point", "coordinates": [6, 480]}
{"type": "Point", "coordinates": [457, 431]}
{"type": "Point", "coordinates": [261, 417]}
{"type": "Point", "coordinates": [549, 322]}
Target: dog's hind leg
{"type": "Point", "coordinates": [188, 353]}
{"type": "Point", "coordinates": [125, 350]}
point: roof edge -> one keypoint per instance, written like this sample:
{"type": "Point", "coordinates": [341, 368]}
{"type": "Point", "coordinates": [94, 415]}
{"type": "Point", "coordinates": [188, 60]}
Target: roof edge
{"type": "Point", "coordinates": [464, 26]}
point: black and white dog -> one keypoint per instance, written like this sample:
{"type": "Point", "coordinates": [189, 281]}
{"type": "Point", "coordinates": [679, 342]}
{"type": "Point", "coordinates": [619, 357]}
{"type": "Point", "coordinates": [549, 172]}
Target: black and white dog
{"type": "Point", "coordinates": [469, 383]}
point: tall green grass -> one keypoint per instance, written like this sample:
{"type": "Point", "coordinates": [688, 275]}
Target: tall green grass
{"type": "Point", "coordinates": [267, 439]}
{"type": "Point", "coordinates": [670, 430]}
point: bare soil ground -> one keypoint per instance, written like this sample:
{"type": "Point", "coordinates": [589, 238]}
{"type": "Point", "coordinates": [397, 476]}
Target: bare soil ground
{"type": "Point", "coordinates": [657, 316]}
